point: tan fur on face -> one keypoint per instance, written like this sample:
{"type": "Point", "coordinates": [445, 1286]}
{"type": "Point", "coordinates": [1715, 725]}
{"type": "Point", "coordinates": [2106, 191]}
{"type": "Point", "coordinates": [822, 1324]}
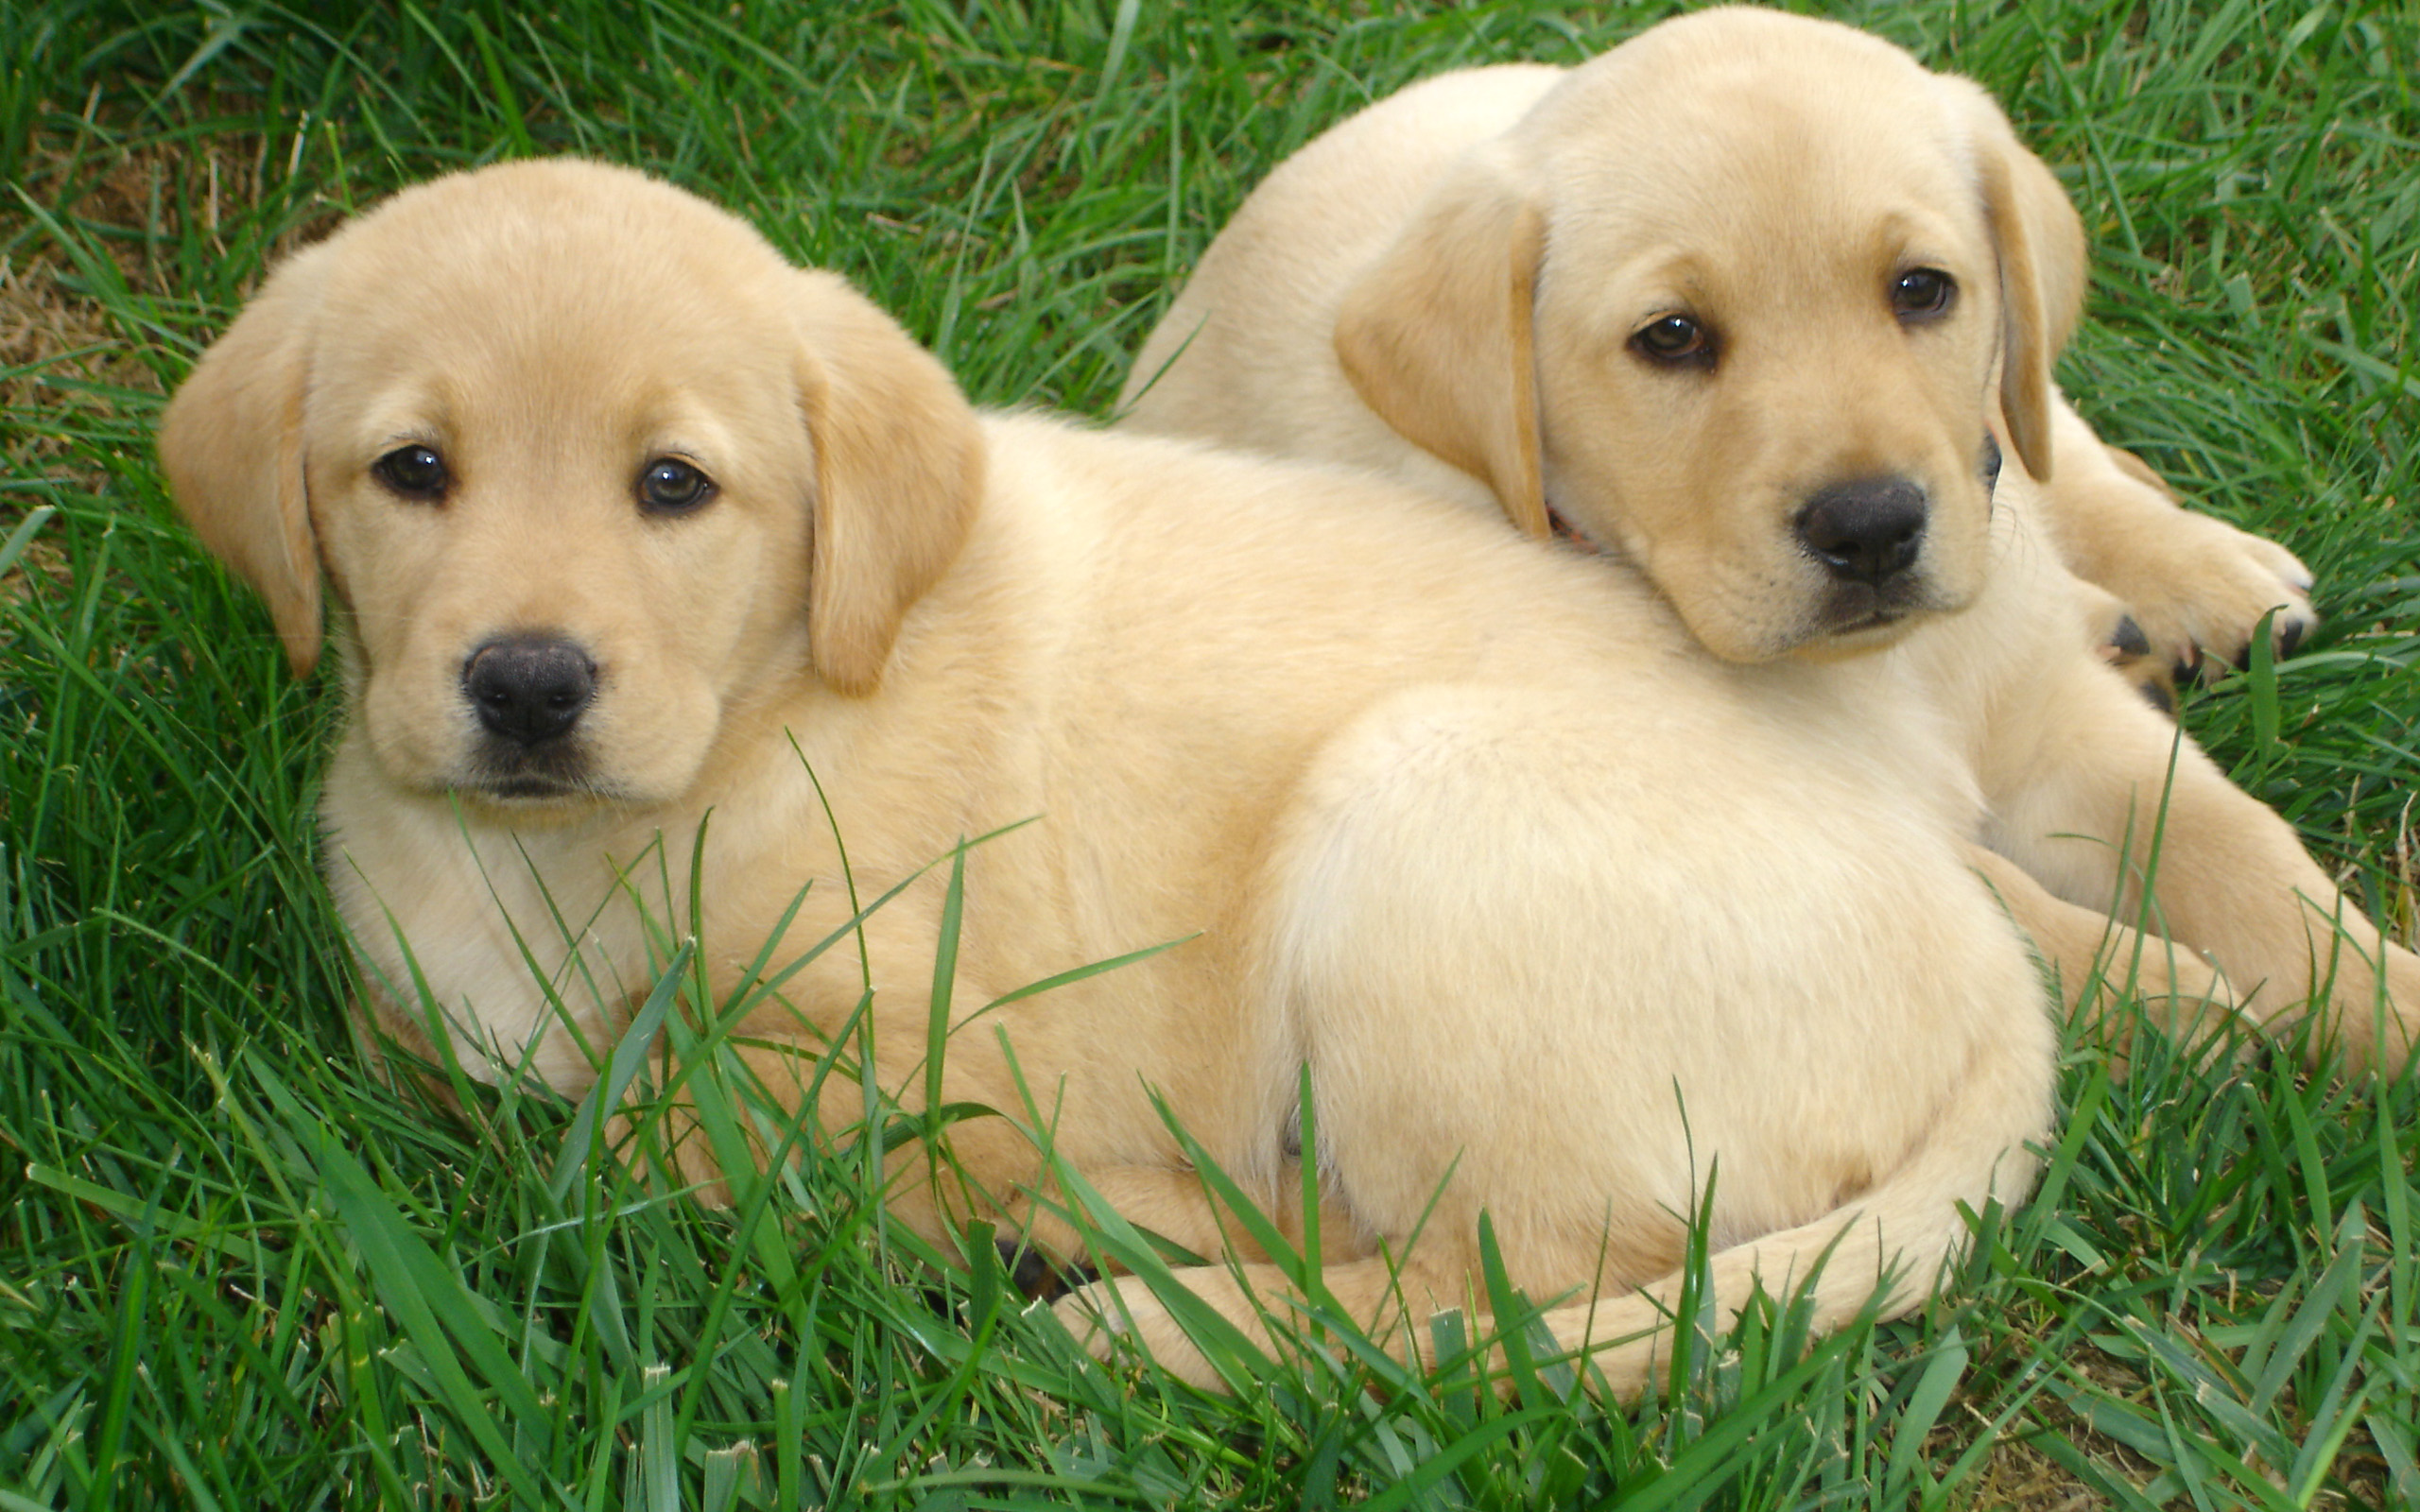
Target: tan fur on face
{"type": "Point", "coordinates": [1449, 280]}
{"type": "Point", "coordinates": [1484, 842]}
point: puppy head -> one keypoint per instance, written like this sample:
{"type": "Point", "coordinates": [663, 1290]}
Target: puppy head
{"type": "Point", "coordinates": [1744, 300]}
{"type": "Point", "coordinates": [589, 468]}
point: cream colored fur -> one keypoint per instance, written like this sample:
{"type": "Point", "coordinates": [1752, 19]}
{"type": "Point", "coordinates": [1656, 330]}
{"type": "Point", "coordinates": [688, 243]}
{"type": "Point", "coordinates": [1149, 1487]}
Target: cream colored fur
{"type": "Point", "coordinates": [1562, 913]}
{"type": "Point", "coordinates": [1443, 289]}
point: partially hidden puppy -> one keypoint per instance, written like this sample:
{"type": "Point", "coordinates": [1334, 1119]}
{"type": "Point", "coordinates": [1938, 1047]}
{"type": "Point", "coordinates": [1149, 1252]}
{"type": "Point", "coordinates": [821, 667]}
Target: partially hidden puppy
{"type": "Point", "coordinates": [1502, 196]}
{"type": "Point", "coordinates": [1750, 303]}
{"type": "Point", "coordinates": [621, 521]}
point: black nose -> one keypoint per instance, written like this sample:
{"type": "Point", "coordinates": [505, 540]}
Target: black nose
{"type": "Point", "coordinates": [1865, 531]}
{"type": "Point", "coordinates": [529, 688]}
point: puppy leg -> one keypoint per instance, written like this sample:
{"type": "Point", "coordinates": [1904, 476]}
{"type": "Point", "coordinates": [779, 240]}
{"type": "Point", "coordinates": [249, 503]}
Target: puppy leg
{"type": "Point", "coordinates": [2113, 794]}
{"type": "Point", "coordinates": [1177, 1206]}
{"type": "Point", "coordinates": [681, 1136]}
{"type": "Point", "coordinates": [1390, 1299]}
{"type": "Point", "coordinates": [780, 1090]}
{"type": "Point", "coordinates": [2101, 963]}
{"type": "Point", "coordinates": [2196, 587]}
{"type": "Point", "coordinates": [1883, 1248]}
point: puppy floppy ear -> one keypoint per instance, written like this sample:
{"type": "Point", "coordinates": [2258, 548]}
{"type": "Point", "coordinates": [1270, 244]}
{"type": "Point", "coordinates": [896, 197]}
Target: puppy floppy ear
{"type": "Point", "coordinates": [2055, 233]}
{"type": "Point", "coordinates": [1436, 335]}
{"type": "Point", "coordinates": [231, 445]}
{"type": "Point", "coordinates": [898, 472]}
{"type": "Point", "coordinates": [2040, 241]}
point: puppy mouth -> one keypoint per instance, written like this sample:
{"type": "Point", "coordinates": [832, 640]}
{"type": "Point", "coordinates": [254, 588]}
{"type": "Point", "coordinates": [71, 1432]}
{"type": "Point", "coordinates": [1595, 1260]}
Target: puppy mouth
{"type": "Point", "coordinates": [1871, 622]}
{"type": "Point", "coordinates": [537, 800]}
{"type": "Point", "coordinates": [1865, 608]}
{"type": "Point", "coordinates": [518, 776]}
{"type": "Point", "coordinates": [527, 789]}
{"type": "Point", "coordinates": [1854, 605]}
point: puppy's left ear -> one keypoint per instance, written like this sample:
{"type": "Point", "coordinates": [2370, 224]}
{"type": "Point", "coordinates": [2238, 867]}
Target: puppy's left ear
{"type": "Point", "coordinates": [231, 445]}
{"type": "Point", "coordinates": [898, 473]}
{"type": "Point", "coordinates": [1436, 335]}
{"type": "Point", "coordinates": [2040, 241]}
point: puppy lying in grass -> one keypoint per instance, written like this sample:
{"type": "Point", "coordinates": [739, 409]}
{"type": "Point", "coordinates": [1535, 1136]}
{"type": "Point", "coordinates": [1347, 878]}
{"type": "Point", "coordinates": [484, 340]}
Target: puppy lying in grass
{"type": "Point", "coordinates": [620, 522]}
{"type": "Point", "coordinates": [1751, 304]}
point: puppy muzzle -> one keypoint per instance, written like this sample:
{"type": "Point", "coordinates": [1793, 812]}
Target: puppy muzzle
{"type": "Point", "coordinates": [529, 692]}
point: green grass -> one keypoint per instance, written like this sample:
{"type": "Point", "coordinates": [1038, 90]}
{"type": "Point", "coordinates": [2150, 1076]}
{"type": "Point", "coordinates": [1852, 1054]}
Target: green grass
{"type": "Point", "coordinates": [235, 1271]}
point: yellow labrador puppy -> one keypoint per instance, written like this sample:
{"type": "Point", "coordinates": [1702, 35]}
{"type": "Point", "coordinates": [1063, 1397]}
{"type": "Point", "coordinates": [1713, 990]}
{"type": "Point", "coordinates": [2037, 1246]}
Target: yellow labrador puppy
{"type": "Point", "coordinates": [622, 521]}
{"type": "Point", "coordinates": [1742, 302]}
{"type": "Point", "coordinates": [1489, 232]}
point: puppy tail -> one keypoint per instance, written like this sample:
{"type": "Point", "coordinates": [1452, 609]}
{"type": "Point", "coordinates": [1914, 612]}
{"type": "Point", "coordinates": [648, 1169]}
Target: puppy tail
{"type": "Point", "coordinates": [1883, 1253]}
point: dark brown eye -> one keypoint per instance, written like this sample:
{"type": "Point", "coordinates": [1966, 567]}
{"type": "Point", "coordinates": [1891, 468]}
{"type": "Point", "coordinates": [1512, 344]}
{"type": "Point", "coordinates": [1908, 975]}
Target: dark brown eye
{"type": "Point", "coordinates": [1922, 293]}
{"type": "Point", "coordinates": [1674, 338]}
{"type": "Point", "coordinates": [670, 485]}
{"type": "Point", "coordinates": [414, 471]}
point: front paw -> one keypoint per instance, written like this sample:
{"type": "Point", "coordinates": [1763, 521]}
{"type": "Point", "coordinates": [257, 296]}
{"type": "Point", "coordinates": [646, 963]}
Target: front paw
{"type": "Point", "coordinates": [2197, 589]}
{"type": "Point", "coordinates": [2119, 641]}
{"type": "Point", "coordinates": [1114, 1316]}
{"type": "Point", "coordinates": [1095, 1314]}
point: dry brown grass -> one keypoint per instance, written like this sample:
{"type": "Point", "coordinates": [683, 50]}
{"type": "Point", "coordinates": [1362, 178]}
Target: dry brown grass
{"type": "Point", "coordinates": [67, 365]}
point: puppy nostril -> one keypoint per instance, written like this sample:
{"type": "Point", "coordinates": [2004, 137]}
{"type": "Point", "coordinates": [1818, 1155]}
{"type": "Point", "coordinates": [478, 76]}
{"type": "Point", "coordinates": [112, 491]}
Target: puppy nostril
{"type": "Point", "coordinates": [529, 688]}
{"type": "Point", "coordinates": [1865, 531]}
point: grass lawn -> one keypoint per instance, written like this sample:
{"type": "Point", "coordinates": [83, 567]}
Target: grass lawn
{"type": "Point", "coordinates": [237, 1272]}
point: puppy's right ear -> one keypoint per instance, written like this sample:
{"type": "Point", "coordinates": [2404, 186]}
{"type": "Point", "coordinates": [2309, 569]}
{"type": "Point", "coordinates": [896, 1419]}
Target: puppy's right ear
{"type": "Point", "coordinates": [2055, 233]}
{"type": "Point", "coordinates": [898, 472]}
{"type": "Point", "coordinates": [2039, 241]}
{"type": "Point", "coordinates": [232, 444]}
{"type": "Point", "coordinates": [1437, 335]}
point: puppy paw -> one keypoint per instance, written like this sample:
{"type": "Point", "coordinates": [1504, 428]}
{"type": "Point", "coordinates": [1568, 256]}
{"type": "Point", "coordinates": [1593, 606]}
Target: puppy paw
{"type": "Point", "coordinates": [1095, 1314]}
{"type": "Point", "coordinates": [2117, 637]}
{"type": "Point", "coordinates": [1109, 1319]}
{"type": "Point", "coordinates": [2197, 588]}
{"type": "Point", "coordinates": [1043, 1256]}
